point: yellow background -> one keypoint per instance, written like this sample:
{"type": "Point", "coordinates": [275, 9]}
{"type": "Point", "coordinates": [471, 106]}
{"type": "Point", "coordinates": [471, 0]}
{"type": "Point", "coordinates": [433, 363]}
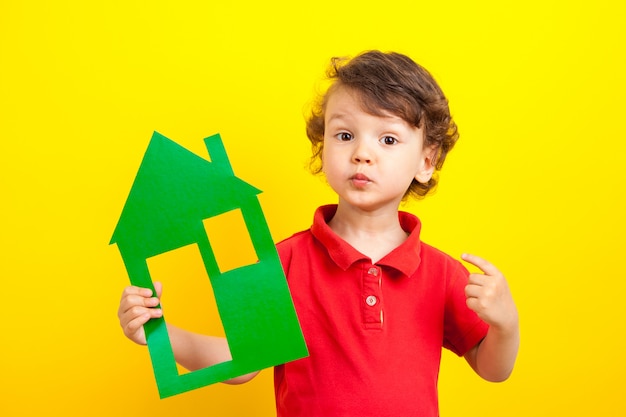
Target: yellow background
{"type": "Point", "coordinates": [536, 183]}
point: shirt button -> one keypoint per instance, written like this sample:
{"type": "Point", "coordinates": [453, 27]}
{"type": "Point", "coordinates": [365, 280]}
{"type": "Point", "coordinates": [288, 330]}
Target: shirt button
{"type": "Point", "coordinates": [373, 271]}
{"type": "Point", "coordinates": [371, 300]}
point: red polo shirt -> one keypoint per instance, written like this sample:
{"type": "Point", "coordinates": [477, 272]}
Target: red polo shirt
{"type": "Point", "coordinates": [374, 331]}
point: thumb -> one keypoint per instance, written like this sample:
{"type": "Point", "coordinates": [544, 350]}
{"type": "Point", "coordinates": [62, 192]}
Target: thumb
{"type": "Point", "coordinates": [158, 288]}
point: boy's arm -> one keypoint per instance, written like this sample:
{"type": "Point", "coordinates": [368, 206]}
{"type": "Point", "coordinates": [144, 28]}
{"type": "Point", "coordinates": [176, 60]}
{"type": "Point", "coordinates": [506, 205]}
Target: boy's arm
{"type": "Point", "coordinates": [489, 296]}
{"type": "Point", "coordinates": [196, 351]}
{"type": "Point", "coordinates": [193, 351]}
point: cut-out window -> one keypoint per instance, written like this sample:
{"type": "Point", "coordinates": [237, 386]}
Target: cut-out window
{"type": "Point", "coordinates": [230, 240]}
{"type": "Point", "coordinates": [188, 300]}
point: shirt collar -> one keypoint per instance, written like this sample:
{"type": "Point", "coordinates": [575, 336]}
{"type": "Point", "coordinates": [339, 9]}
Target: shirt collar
{"type": "Point", "coordinates": [405, 258]}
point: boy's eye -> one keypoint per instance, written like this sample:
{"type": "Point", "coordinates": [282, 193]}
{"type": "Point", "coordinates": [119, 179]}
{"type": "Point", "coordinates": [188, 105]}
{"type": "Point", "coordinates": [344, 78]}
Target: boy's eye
{"type": "Point", "coordinates": [344, 136]}
{"type": "Point", "coordinates": [389, 140]}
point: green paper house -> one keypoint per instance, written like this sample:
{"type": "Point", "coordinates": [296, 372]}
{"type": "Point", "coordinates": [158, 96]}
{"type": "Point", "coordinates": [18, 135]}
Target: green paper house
{"type": "Point", "coordinates": [173, 193]}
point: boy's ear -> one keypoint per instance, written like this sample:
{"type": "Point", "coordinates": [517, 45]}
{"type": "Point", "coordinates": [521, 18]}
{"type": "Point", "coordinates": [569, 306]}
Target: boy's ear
{"type": "Point", "coordinates": [428, 165]}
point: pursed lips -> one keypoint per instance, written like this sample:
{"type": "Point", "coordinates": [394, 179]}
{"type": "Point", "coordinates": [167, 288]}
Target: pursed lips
{"type": "Point", "coordinates": [360, 180]}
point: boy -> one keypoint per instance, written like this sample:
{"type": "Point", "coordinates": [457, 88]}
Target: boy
{"type": "Point", "coordinates": [375, 303]}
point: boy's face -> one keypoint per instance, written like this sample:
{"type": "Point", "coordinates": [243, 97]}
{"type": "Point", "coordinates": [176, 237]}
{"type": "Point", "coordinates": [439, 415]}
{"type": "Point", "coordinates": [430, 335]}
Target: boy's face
{"type": "Point", "coordinates": [368, 160]}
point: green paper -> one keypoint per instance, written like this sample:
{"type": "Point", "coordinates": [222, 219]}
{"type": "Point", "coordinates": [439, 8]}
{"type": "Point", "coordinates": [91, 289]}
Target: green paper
{"type": "Point", "coordinates": [173, 192]}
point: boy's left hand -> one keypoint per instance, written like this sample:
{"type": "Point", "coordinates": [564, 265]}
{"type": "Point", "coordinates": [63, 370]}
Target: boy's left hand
{"type": "Point", "coordinates": [489, 296]}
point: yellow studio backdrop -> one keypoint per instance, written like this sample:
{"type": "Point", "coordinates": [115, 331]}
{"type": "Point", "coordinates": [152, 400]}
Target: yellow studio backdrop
{"type": "Point", "coordinates": [536, 184]}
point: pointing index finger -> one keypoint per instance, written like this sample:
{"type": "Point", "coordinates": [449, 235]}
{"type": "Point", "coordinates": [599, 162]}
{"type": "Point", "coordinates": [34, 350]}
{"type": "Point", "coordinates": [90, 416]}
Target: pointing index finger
{"type": "Point", "coordinates": [480, 263]}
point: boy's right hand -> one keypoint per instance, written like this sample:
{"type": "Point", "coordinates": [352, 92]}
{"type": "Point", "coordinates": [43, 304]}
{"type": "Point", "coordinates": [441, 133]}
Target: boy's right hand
{"type": "Point", "coordinates": [137, 306]}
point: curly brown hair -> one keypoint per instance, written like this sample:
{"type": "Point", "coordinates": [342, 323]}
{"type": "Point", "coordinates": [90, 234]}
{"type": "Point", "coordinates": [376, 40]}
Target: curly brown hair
{"type": "Point", "coordinates": [390, 83]}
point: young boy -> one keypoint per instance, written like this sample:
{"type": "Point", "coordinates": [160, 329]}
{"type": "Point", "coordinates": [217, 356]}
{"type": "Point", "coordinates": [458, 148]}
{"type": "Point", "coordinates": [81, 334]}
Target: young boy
{"type": "Point", "coordinates": [375, 303]}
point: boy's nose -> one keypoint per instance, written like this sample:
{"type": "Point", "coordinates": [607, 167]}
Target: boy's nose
{"type": "Point", "coordinates": [364, 160]}
{"type": "Point", "coordinates": [362, 154]}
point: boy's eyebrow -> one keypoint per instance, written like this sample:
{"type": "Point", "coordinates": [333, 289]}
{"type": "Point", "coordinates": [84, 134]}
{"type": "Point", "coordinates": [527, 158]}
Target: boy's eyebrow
{"type": "Point", "coordinates": [337, 115]}
{"type": "Point", "coordinates": [340, 115]}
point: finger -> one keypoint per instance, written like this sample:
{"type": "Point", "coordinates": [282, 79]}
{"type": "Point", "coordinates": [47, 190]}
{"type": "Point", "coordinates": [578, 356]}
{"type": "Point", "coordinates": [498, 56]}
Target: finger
{"type": "Point", "coordinates": [473, 304]}
{"type": "Point", "coordinates": [473, 291]}
{"type": "Point", "coordinates": [135, 301]}
{"type": "Point", "coordinates": [132, 325]}
{"type": "Point", "coordinates": [481, 264]}
{"type": "Point", "coordinates": [134, 290]}
{"type": "Point", "coordinates": [130, 297]}
{"type": "Point", "coordinates": [134, 329]}
{"type": "Point", "coordinates": [478, 279]}
{"type": "Point", "coordinates": [137, 316]}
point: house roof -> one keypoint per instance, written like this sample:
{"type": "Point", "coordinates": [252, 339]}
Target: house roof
{"type": "Point", "coordinates": [175, 190]}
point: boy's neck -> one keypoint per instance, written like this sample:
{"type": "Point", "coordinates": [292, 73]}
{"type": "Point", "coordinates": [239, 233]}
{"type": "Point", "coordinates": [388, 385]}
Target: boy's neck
{"type": "Point", "coordinates": [373, 233]}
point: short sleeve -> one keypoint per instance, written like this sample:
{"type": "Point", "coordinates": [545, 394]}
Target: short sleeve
{"type": "Point", "coordinates": [463, 329]}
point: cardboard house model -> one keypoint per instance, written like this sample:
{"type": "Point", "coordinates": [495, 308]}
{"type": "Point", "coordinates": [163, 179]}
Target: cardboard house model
{"type": "Point", "coordinates": [173, 193]}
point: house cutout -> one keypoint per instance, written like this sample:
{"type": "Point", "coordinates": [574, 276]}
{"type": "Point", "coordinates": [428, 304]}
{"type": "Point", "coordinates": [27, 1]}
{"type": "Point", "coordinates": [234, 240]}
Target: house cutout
{"type": "Point", "coordinates": [173, 193]}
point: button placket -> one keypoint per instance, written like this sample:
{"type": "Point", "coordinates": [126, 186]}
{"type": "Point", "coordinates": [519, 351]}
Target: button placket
{"type": "Point", "coordinates": [371, 296]}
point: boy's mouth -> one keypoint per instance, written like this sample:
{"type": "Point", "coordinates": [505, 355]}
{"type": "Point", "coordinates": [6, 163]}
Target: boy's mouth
{"type": "Point", "coordinates": [360, 180]}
